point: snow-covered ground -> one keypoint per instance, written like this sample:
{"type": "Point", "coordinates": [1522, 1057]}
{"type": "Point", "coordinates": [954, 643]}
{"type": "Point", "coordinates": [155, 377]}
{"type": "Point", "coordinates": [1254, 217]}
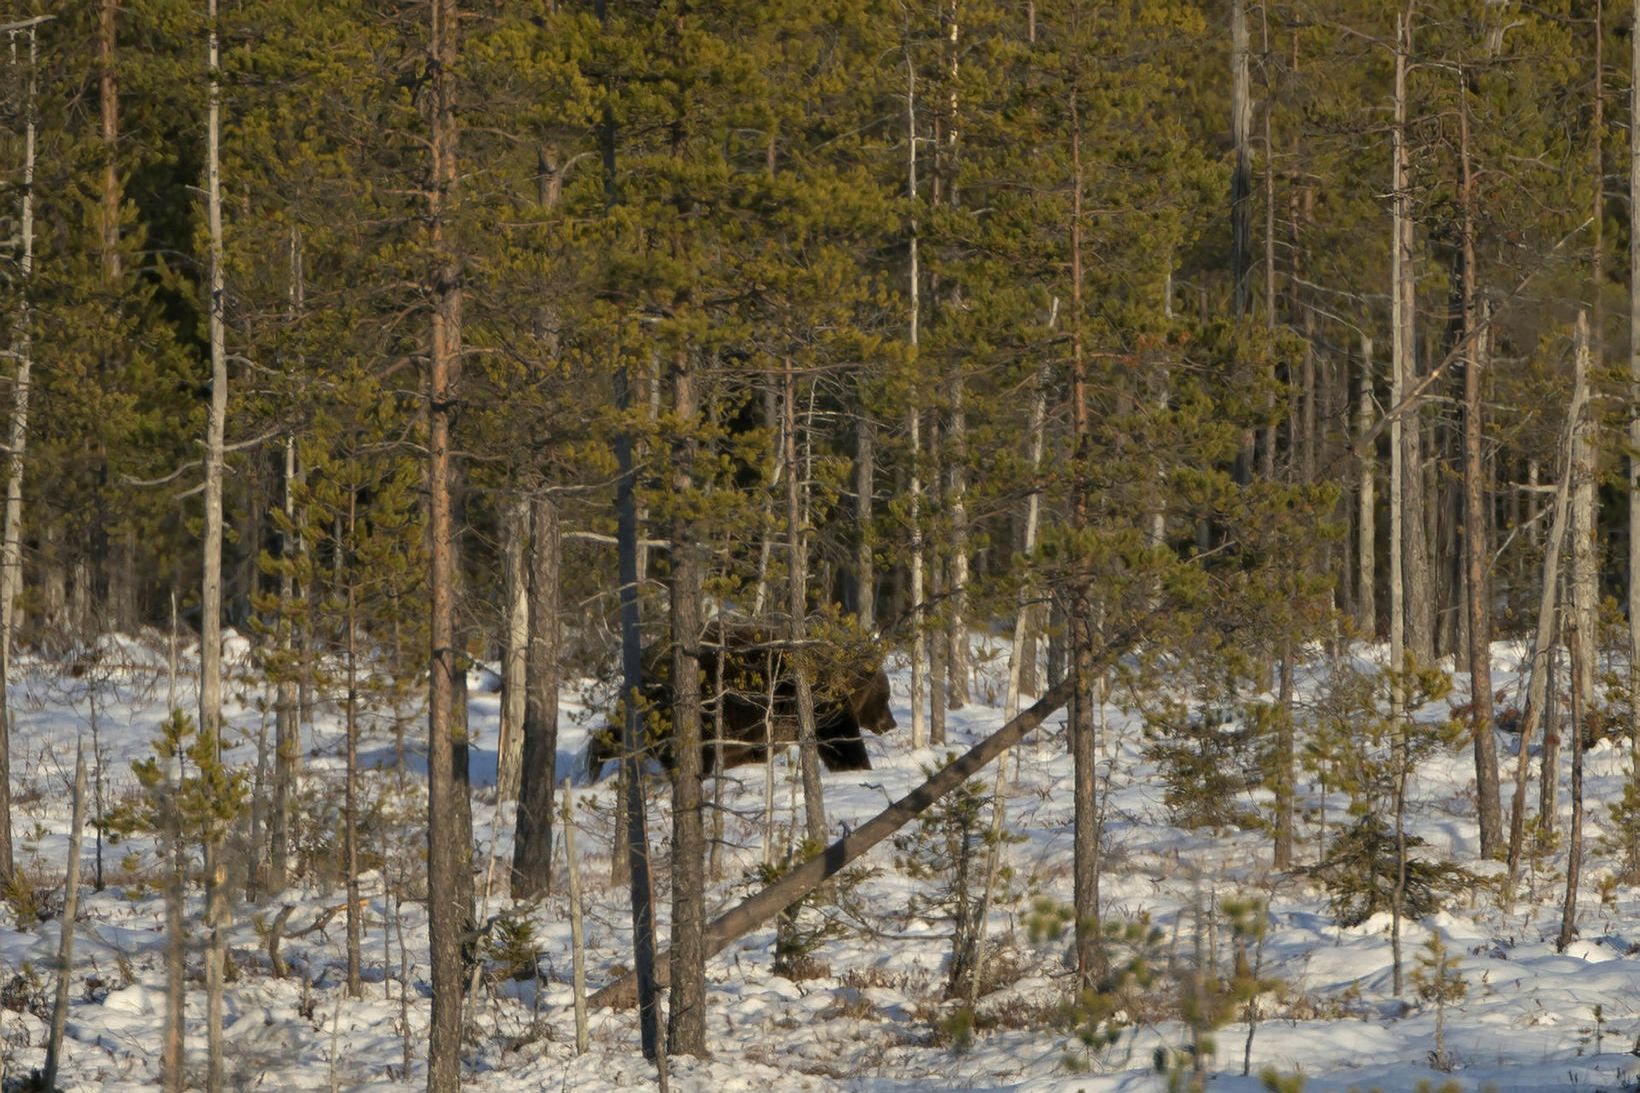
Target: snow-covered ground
{"type": "Point", "coordinates": [871, 1018]}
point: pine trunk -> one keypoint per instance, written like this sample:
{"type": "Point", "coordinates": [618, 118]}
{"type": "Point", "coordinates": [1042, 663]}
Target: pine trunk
{"type": "Point", "coordinates": [808, 744]}
{"type": "Point", "coordinates": [515, 523]}
{"type": "Point", "coordinates": [1476, 575]}
{"type": "Point", "coordinates": [686, 1025]}
{"type": "Point", "coordinates": [446, 854]}
{"type": "Point", "coordinates": [532, 840]}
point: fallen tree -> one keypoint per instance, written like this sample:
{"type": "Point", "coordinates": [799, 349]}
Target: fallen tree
{"type": "Point", "coordinates": [814, 872]}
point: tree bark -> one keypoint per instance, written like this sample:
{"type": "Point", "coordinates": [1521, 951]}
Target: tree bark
{"type": "Point", "coordinates": [1574, 856]}
{"type": "Point", "coordinates": [1477, 578]}
{"type": "Point", "coordinates": [686, 1024]}
{"type": "Point", "coordinates": [532, 839]}
{"type": "Point", "coordinates": [865, 474]}
{"type": "Point", "coordinates": [919, 640]}
{"type": "Point", "coordinates": [446, 856]}
{"type": "Point", "coordinates": [515, 523]}
{"type": "Point", "coordinates": [1366, 526]}
{"type": "Point", "coordinates": [1585, 591]}
{"type": "Point", "coordinates": [1414, 577]}
{"type": "Point", "coordinates": [210, 644]}
{"type": "Point", "coordinates": [808, 744]}
{"type": "Point", "coordinates": [1634, 402]}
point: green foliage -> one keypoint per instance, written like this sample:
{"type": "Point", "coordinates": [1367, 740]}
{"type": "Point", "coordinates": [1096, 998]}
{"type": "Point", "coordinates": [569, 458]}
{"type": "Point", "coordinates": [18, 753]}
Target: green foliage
{"type": "Point", "coordinates": [186, 788]}
{"type": "Point", "coordinates": [1620, 834]}
{"type": "Point", "coordinates": [511, 946]}
{"type": "Point", "coordinates": [1208, 761]}
{"type": "Point", "coordinates": [1439, 983]}
{"type": "Point", "coordinates": [1361, 869]}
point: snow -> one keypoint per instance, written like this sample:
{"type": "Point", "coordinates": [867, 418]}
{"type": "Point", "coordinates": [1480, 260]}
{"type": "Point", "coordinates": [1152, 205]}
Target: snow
{"type": "Point", "coordinates": [869, 1020]}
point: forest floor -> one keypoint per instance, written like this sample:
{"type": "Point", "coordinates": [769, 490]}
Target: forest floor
{"type": "Point", "coordinates": [869, 1014]}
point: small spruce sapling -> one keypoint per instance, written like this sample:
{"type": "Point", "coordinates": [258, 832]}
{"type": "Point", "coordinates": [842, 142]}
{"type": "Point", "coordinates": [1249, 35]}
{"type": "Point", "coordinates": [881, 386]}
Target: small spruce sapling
{"type": "Point", "coordinates": [1439, 983]}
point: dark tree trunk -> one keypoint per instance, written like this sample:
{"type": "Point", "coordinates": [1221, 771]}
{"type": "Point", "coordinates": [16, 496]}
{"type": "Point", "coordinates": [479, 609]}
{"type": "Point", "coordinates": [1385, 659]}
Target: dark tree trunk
{"type": "Point", "coordinates": [532, 842]}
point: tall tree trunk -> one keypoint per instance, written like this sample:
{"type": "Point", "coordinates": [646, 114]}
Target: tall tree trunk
{"type": "Point", "coordinates": [1476, 575]}
{"type": "Point", "coordinates": [1585, 591]}
{"type": "Point", "coordinates": [939, 647]}
{"type": "Point", "coordinates": [1033, 508]}
{"type": "Point", "coordinates": [210, 644]}
{"type": "Point", "coordinates": [1083, 745]}
{"type": "Point", "coordinates": [1366, 525]}
{"type": "Point", "coordinates": [686, 1024]}
{"type": "Point", "coordinates": [287, 730]}
{"type": "Point", "coordinates": [532, 839]}
{"type": "Point", "coordinates": [1634, 402]}
{"type": "Point", "coordinates": [919, 639]}
{"type": "Point", "coordinates": [1579, 652]}
{"type": "Point", "coordinates": [515, 524]}
{"type": "Point", "coordinates": [1416, 593]}
{"type": "Point", "coordinates": [808, 744]}
{"type": "Point", "coordinates": [350, 795]}
{"type": "Point", "coordinates": [11, 539]}
{"type": "Point", "coordinates": [956, 448]}
{"type": "Point", "coordinates": [865, 473]}
{"type": "Point", "coordinates": [71, 910]}
{"type": "Point", "coordinates": [1241, 175]}
{"type": "Point", "coordinates": [446, 855]}
{"type": "Point", "coordinates": [1537, 689]}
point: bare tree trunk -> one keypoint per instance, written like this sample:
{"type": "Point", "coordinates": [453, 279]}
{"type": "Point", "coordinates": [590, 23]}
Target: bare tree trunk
{"type": "Point", "coordinates": [1241, 176]}
{"type": "Point", "coordinates": [938, 647]}
{"type": "Point", "coordinates": [1366, 599]}
{"type": "Point", "coordinates": [1538, 684]}
{"type": "Point", "coordinates": [1585, 591]}
{"type": "Point", "coordinates": [577, 946]}
{"type": "Point", "coordinates": [446, 854]}
{"type": "Point", "coordinates": [210, 644]}
{"type": "Point", "coordinates": [686, 1023]}
{"type": "Point", "coordinates": [865, 473]}
{"type": "Point", "coordinates": [919, 640]}
{"type": "Point", "coordinates": [287, 730]}
{"type": "Point", "coordinates": [1286, 752]}
{"type": "Point", "coordinates": [1574, 859]}
{"type": "Point", "coordinates": [1033, 510]}
{"type": "Point", "coordinates": [515, 522]}
{"type": "Point", "coordinates": [1416, 592]}
{"type": "Point", "coordinates": [532, 839]}
{"type": "Point", "coordinates": [808, 744]}
{"type": "Point", "coordinates": [1634, 402]}
{"type": "Point", "coordinates": [350, 796]}
{"type": "Point", "coordinates": [1476, 574]}
{"type": "Point", "coordinates": [71, 911]}
{"type": "Point", "coordinates": [11, 553]}
{"type": "Point", "coordinates": [1081, 623]}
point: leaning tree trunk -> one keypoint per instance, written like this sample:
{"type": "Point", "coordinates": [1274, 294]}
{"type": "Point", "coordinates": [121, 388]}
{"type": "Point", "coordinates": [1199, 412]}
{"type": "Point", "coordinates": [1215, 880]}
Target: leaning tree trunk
{"type": "Point", "coordinates": [809, 874]}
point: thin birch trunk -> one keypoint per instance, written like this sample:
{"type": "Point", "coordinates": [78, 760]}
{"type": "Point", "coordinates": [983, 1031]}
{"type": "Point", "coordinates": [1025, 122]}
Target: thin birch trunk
{"type": "Point", "coordinates": [287, 729]}
{"type": "Point", "coordinates": [515, 522]}
{"type": "Point", "coordinates": [865, 474]}
{"type": "Point", "coordinates": [1033, 510]}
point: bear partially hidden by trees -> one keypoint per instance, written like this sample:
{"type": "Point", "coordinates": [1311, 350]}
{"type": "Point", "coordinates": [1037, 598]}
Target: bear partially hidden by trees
{"type": "Point", "coordinates": [759, 699]}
